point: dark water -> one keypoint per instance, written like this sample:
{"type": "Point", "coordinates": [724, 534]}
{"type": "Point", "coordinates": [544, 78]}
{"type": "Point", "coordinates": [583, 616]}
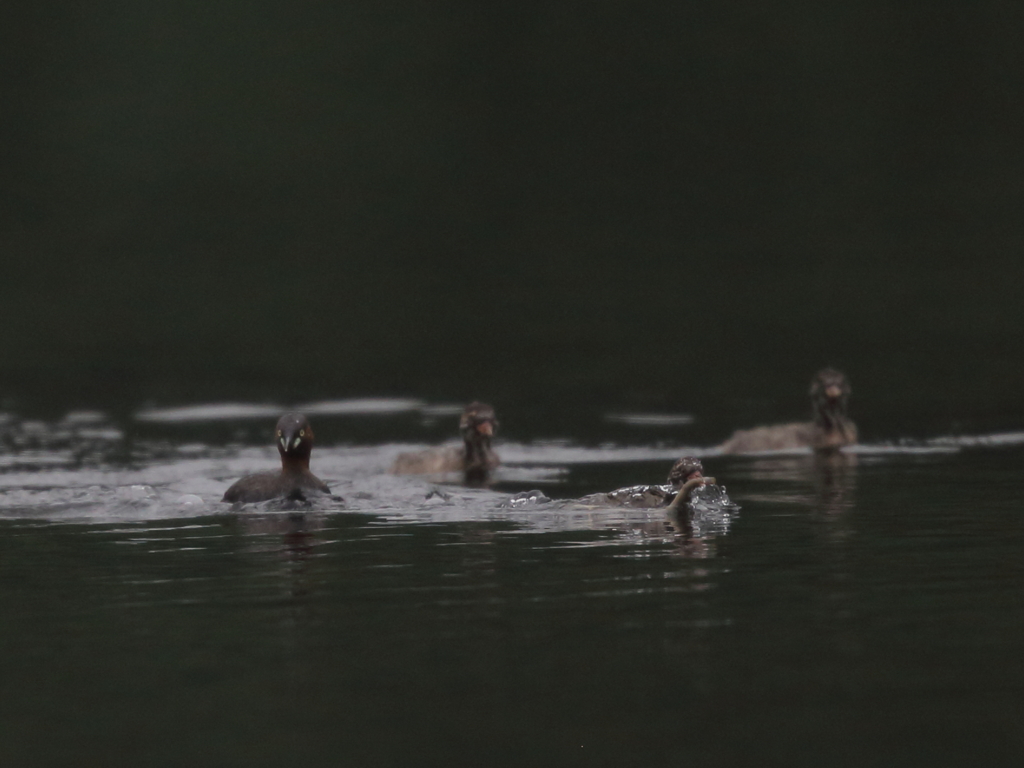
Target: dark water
{"type": "Point", "coordinates": [859, 612]}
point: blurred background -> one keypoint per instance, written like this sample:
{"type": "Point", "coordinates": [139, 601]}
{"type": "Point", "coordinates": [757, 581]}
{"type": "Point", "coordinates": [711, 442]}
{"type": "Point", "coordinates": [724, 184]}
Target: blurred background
{"type": "Point", "coordinates": [566, 209]}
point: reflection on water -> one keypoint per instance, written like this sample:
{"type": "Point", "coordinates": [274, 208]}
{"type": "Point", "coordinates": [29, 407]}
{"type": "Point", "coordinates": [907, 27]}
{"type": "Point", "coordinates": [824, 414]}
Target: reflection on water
{"type": "Point", "coordinates": [835, 483]}
{"type": "Point", "coordinates": [524, 634]}
{"type": "Point", "coordinates": [826, 483]}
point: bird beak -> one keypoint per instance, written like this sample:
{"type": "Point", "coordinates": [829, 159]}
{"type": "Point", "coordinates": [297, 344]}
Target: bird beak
{"type": "Point", "coordinates": [832, 392]}
{"type": "Point", "coordinates": [485, 428]}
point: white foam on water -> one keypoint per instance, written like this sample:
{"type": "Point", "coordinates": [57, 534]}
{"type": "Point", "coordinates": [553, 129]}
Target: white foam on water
{"type": "Point", "coordinates": [361, 406]}
{"type": "Point", "coordinates": [209, 412]}
{"type": "Point", "coordinates": [650, 419]}
{"type": "Point", "coordinates": [562, 453]}
{"type": "Point", "coordinates": [368, 406]}
{"type": "Point", "coordinates": [85, 417]}
{"type": "Point", "coordinates": [442, 409]}
{"type": "Point", "coordinates": [994, 440]}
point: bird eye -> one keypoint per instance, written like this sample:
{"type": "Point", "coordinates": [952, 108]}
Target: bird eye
{"type": "Point", "coordinates": [302, 433]}
{"type": "Point", "coordinates": [279, 433]}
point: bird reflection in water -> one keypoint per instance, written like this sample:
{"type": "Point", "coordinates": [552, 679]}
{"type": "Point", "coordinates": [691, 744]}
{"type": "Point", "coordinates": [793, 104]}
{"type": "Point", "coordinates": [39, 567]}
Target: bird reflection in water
{"type": "Point", "coordinates": [827, 482]}
{"type": "Point", "coordinates": [290, 539]}
{"type": "Point", "coordinates": [284, 545]}
{"type": "Point", "coordinates": [834, 477]}
{"type": "Point", "coordinates": [690, 540]}
{"type": "Point", "coordinates": [686, 542]}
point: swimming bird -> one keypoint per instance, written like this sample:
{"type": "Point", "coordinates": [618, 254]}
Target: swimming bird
{"type": "Point", "coordinates": [474, 458]}
{"type": "Point", "coordinates": [830, 429]}
{"type": "Point", "coordinates": [686, 475]}
{"type": "Point", "coordinates": [294, 439]}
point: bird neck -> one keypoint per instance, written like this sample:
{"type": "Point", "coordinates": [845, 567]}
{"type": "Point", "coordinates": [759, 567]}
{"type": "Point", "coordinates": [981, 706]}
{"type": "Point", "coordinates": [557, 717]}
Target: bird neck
{"type": "Point", "coordinates": [830, 416]}
{"type": "Point", "coordinates": [291, 462]}
{"type": "Point", "coordinates": [685, 492]}
{"type": "Point", "coordinates": [478, 453]}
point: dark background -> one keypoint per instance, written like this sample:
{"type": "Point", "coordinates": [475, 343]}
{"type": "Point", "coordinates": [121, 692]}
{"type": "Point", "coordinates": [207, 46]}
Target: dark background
{"type": "Point", "coordinates": [563, 208]}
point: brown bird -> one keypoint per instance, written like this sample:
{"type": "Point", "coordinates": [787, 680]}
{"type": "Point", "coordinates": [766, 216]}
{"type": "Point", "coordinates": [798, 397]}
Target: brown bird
{"type": "Point", "coordinates": [829, 430]}
{"type": "Point", "coordinates": [684, 477]}
{"type": "Point", "coordinates": [474, 458]}
{"type": "Point", "coordinates": [294, 440]}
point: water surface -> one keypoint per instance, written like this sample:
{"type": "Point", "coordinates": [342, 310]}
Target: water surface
{"type": "Point", "coordinates": [862, 612]}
